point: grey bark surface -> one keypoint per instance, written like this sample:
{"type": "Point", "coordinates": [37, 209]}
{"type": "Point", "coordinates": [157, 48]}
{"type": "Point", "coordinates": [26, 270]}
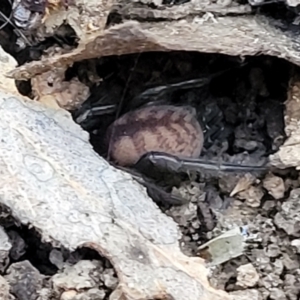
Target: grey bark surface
{"type": "Point", "coordinates": [53, 180]}
{"type": "Point", "coordinates": [239, 35]}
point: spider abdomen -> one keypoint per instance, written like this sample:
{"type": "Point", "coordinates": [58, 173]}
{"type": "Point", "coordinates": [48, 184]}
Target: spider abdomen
{"type": "Point", "coordinates": [165, 128]}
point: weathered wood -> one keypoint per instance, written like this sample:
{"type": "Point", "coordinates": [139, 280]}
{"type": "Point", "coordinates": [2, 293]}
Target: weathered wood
{"type": "Point", "coordinates": [240, 35]}
{"type": "Point", "coordinates": [288, 154]}
{"type": "Point", "coordinates": [53, 180]}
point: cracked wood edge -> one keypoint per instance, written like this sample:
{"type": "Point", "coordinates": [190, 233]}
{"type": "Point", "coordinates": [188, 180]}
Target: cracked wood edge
{"type": "Point", "coordinates": [240, 35]}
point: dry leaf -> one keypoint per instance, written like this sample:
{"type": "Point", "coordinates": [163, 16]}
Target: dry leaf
{"type": "Point", "coordinates": [243, 184]}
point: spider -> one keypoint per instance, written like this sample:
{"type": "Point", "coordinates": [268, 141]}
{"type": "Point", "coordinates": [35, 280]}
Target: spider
{"type": "Point", "coordinates": [144, 143]}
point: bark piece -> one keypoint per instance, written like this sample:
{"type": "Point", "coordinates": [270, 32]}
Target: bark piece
{"type": "Point", "coordinates": [50, 87]}
{"type": "Point", "coordinates": [288, 154]}
{"type": "Point", "coordinates": [240, 35]}
{"type": "Point", "coordinates": [52, 179]}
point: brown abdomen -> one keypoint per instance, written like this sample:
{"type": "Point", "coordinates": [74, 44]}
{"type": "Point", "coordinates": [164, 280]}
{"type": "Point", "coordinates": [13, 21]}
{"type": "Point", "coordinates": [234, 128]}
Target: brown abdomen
{"type": "Point", "coordinates": [165, 128]}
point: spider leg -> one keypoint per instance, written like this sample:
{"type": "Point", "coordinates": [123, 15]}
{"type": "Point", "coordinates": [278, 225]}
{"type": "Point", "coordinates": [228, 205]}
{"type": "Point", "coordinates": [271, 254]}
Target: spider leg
{"type": "Point", "coordinates": [88, 118]}
{"type": "Point", "coordinates": [161, 92]}
{"type": "Point", "coordinates": [156, 192]}
{"type": "Point", "coordinates": [162, 162]}
{"type": "Point", "coordinates": [174, 164]}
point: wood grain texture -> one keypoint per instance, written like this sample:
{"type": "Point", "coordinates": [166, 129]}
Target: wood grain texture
{"type": "Point", "coordinates": [230, 35]}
